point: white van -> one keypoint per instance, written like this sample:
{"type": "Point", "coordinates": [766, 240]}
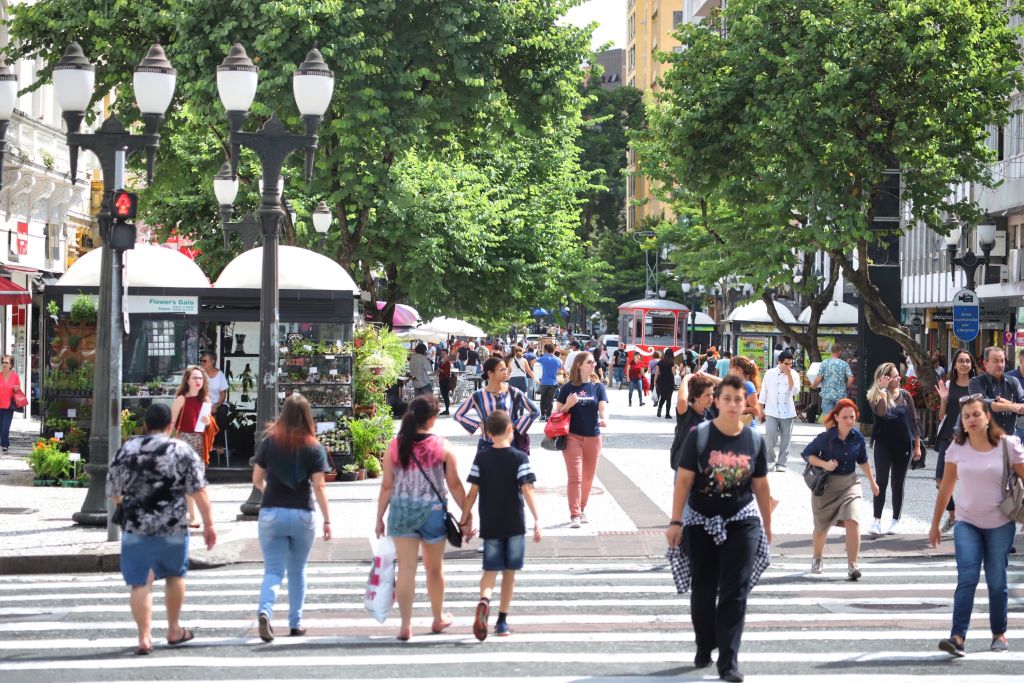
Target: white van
{"type": "Point", "coordinates": [610, 342]}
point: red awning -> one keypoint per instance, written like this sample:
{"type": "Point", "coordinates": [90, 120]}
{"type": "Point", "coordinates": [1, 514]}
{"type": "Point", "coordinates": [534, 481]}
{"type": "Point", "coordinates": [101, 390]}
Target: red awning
{"type": "Point", "coordinates": [13, 295]}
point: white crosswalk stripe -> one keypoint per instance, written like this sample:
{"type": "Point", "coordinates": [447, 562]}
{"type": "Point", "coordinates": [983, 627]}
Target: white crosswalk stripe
{"type": "Point", "coordinates": [570, 620]}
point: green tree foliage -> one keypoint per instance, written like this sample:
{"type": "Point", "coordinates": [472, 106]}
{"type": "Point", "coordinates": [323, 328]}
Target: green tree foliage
{"type": "Point", "coordinates": [795, 113]}
{"type": "Point", "coordinates": [417, 84]}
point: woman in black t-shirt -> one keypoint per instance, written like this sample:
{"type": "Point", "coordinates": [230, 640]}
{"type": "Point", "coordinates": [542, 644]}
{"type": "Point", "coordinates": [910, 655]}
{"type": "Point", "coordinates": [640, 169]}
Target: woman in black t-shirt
{"type": "Point", "coordinates": [950, 393]}
{"type": "Point", "coordinates": [724, 542]}
{"type": "Point", "coordinates": [585, 401]}
{"type": "Point", "coordinates": [696, 393]}
{"type": "Point", "coordinates": [289, 470]}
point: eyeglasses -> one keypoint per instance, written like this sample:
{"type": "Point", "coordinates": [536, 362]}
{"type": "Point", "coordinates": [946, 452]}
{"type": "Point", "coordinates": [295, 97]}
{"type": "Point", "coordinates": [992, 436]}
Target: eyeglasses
{"type": "Point", "coordinates": [588, 362]}
{"type": "Point", "coordinates": [972, 397]}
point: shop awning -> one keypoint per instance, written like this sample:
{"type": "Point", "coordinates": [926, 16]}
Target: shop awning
{"type": "Point", "coordinates": [13, 295]}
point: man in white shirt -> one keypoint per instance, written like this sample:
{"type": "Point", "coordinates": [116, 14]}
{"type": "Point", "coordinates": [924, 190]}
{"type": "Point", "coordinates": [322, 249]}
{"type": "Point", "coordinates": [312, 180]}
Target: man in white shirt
{"type": "Point", "coordinates": [574, 351]}
{"type": "Point", "coordinates": [217, 390]}
{"type": "Point", "coordinates": [779, 386]}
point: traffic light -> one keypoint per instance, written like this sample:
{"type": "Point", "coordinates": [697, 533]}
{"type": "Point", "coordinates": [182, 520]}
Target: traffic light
{"type": "Point", "coordinates": [126, 205]}
{"type": "Point", "coordinates": [122, 232]}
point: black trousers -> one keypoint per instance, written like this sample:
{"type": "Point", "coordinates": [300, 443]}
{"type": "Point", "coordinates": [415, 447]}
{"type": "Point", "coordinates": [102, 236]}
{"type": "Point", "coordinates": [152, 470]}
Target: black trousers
{"type": "Point", "coordinates": [445, 395]}
{"type": "Point", "coordinates": [891, 456]}
{"type": "Point", "coordinates": [666, 396]}
{"type": "Point", "coordinates": [547, 399]}
{"type": "Point", "coordinates": [721, 583]}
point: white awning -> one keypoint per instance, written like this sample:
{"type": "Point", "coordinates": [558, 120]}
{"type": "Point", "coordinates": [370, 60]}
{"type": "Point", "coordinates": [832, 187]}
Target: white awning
{"type": "Point", "coordinates": [297, 268]}
{"type": "Point", "coordinates": [836, 313]}
{"type": "Point", "coordinates": [147, 265]}
{"type": "Point", "coordinates": [757, 312]}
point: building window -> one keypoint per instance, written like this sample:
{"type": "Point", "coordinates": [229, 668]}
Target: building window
{"type": "Point", "coordinates": [631, 27]}
{"type": "Point", "coordinates": [632, 59]}
{"type": "Point", "coordinates": [677, 18]}
{"type": "Point", "coordinates": [53, 231]}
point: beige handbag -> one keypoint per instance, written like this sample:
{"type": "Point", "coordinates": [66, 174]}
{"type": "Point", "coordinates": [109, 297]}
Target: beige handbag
{"type": "Point", "coordinates": [1013, 490]}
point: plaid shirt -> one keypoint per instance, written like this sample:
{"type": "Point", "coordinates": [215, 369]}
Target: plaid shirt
{"type": "Point", "coordinates": [716, 528]}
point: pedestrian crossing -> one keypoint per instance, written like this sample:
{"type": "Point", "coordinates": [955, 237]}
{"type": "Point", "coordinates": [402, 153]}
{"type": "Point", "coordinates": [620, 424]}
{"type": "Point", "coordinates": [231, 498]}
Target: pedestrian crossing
{"type": "Point", "coordinates": [571, 620]}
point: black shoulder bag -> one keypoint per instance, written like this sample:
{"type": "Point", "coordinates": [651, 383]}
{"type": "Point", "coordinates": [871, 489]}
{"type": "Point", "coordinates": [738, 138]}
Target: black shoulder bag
{"type": "Point", "coordinates": [451, 526]}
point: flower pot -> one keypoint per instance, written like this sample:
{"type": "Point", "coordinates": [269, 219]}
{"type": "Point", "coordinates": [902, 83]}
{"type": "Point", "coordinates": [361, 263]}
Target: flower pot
{"type": "Point", "coordinates": [372, 474]}
{"type": "Point", "coordinates": [44, 482]}
{"type": "Point", "coordinates": [73, 483]}
{"type": "Point", "coordinates": [369, 410]}
{"type": "Point", "coordinates": [347, 476]}
{"type": "Point", "coordinates": [330, 476]}
{"type": "Point", "coordinates": [361, 474]}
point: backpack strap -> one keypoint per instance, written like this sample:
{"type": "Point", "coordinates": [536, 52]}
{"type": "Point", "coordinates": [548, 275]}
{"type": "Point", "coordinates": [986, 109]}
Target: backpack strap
{"type": "Point", "coordinates": [703, 434]}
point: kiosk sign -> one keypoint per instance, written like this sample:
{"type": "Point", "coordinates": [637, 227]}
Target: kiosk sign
{"type": "Point", "coordinates": [966, 315]}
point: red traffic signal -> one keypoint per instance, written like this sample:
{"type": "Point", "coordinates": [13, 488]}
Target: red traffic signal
{"type": "Point", "coordinates": [126, 204]}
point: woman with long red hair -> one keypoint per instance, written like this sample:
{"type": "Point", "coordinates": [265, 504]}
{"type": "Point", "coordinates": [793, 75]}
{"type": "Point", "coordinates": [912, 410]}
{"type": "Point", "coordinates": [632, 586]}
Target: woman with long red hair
{"type": "Point", "coordinates": [839, 450]}
{"type": "Point", "coordinates": [289, 470]}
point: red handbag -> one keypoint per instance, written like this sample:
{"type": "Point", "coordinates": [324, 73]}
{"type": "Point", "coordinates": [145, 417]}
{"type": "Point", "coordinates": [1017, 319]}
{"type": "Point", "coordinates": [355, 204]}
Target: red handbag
{"type": "Point", "coordinates": [557, 425]}
{"type": "Point", "coordinates": [20, 400]}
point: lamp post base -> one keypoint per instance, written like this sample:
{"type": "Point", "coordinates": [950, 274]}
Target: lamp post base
{"type": "Point", "coordinates": [251, 507]}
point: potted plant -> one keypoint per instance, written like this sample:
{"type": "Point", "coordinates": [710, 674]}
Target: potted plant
{"type": "Point", "coordinates": [349, 472]}
{"type": "Point", "coordinates": [83, 310]}
{"type": "Point", "coordinates": [380, 359]}
{"type": "Point", "coordinates": [128, 424]}
{"type": "Point", "coordinates": [372, 465]}
{"type": "Point", "coordinates": [53, 310]}
{"type": "Point", "coordinates": [248, 381]}
{"type": "Point", "coordinates": [330, 475]}
{"type": "Point", "coordinates": [128, 390]}
{"type": "Point", "coordinates": [48, 462]}
{"type": "Point", "coordinates": [371, 436]}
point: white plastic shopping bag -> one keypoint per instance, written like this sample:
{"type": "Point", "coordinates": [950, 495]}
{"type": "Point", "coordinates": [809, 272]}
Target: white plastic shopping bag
{"type": "Point", "coordinates": [380, 586]}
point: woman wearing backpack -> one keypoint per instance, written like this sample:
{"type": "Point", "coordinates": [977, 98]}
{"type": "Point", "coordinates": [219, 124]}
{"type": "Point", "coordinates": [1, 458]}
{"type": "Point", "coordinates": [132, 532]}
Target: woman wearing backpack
{"type": "Point", "coordinates": [722, 483]}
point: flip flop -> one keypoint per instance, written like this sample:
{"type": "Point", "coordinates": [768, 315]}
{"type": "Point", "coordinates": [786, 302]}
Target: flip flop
{"type": "Point", "coordinates": [143, 650]}
{"type": "Point", "coordinates": [186, 635]}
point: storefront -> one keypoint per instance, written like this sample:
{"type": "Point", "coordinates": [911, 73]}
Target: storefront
{"type": "Point", "coordinates": [750, 332]}
{"type": "Point", "coordinates": [838, 324]}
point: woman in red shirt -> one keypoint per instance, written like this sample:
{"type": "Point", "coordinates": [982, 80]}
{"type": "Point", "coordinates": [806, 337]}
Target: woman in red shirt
{"type": "Point", "coordinates": [186, 415]}
{"type": "Point", "coordinates": [9, 380]}
{"type": "Point", "coordinates": [635, 372]}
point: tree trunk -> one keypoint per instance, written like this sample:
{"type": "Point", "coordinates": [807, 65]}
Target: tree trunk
{"type": "Point", "coordinates": [881, 320]}
{"type": "Point", "coordinates": [807, 340]}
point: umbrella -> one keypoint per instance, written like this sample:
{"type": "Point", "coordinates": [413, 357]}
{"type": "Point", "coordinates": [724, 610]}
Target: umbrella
{"type": "Point", "coordinates": [421, 334]}
{"type": "Point", "coordinates": [455, 327]}
{"type": "Point", "coordinates": [539, 312]}
{"type": "Point", "coordinates": [403, 316]}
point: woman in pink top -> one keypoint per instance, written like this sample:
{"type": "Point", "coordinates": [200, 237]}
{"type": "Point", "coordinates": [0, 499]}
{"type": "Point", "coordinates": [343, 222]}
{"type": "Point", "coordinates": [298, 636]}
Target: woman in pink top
{"type": "Point", "coordinates": [982, 534]}
{"type": "Point", "coordinates": [9, 380]}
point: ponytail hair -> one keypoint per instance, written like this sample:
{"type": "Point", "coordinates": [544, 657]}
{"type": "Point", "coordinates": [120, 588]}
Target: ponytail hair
{"type": "Point", "coordinates": [417, 415]}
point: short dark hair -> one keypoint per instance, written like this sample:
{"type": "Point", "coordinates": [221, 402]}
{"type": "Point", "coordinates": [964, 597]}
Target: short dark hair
{"type": "Point", "coordinates": [727, 354]}
{"type": "Point", "coordinates": [421, 348]}
{"type": "Point", "coordinates": [732, 382]}
{"type": "Point", "coordinates": [497, 423]}
{"type": "Point", "coordinates": [698, 385]}
{"type": "Point", "coordinates": [786, 355]}
{"type": "Point", "coordinates": [158, 417]}
{"type": "Point", "coordinates": [549, 348]}
{"type": "Point", "coordinates": [574, 344]}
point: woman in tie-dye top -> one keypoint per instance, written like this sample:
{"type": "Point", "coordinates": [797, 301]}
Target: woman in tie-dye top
{"type": "Point", "coordinates": [417, 463]}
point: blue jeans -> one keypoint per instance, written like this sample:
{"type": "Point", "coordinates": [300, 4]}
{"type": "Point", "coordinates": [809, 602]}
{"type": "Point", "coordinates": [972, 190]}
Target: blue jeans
{"type": "Point", "coordinates": [286, 536]}
{"type": "Point", "coordinates": [639, 386]}
{"type": "Point", "coordinates": [974, 546]}
{"type": "Point", "coordinates": [619, 374]}
{"type": "Point", "coordinates": [1019, 433]}
{"type": "Point", "coordinates": [6, 417]}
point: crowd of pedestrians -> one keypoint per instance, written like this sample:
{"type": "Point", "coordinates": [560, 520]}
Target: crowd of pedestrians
{"type": "Point", "coordinates": [732, 426]}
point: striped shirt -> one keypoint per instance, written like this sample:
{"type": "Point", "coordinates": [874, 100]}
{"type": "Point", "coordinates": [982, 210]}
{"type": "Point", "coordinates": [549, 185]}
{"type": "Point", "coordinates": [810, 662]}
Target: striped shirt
{"type": "Point", "coordinates": [482, 402]}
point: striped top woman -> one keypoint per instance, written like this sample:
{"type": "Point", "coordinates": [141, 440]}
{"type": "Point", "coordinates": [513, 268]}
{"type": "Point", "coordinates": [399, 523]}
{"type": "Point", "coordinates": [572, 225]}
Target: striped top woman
{"type": "Point", "coordinates": [497, 395]}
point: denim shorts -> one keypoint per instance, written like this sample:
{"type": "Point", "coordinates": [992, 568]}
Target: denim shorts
{"type": "Point", "coordinates": [165, 555]}
{"type": "Point", "coordinates": [502, 554]}
{"type": "Point", "coordinates": [432, 530]}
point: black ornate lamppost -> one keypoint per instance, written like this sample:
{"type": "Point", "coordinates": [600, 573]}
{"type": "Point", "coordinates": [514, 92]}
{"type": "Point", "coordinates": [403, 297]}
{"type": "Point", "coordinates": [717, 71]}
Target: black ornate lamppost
{"type": "Point", "coordinates": [74, 79]}
{"type": "Point", "coordinates": [313, 86]}
{"type": "Point", "coordinates": [970, 262]}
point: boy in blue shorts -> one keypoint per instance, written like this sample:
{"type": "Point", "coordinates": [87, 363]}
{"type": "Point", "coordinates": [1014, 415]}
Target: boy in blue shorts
{"type": "Point", "coordinates": [503, 478]}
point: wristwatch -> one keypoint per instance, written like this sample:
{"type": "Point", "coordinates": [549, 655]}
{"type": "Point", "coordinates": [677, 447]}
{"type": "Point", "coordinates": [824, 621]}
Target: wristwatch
{"type": "Point", "coordinates": [675, 522]}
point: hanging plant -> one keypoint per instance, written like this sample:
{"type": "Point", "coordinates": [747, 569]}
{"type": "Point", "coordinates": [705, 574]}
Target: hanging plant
{"type": "Point", "coordinates": [83, 310]}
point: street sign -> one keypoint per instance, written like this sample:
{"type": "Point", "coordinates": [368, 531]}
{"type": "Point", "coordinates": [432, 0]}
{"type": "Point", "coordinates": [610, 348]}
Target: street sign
{"type": "Point", "coordinates": [966, 315]}
{"type": "Point", "coordinates": [916, 323]}
{"type": "Point", "coordinates": [1008, 337]}
{"type": "Point", "coordinates": [1019, 338]}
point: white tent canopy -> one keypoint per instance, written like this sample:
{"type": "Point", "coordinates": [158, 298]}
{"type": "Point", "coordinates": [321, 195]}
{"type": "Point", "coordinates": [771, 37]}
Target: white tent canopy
{"type": "Point", "coordinates": [453, 327]}
{"type": "Point", "coordinates": [147, 265]}
{"type": "Point", "coordinates": [757, 312]}
{"type": "Point", "coordinates": [836, 313]}
{"type": "Point", "coordinates": [297, 268]}
{"type": "Point", "coordinates": [420, 334]}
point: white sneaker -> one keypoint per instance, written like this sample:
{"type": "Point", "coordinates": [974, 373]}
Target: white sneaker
{"type": "Point", "coordinates": [876, 528]}
{"type": "Point", "coordinates": [817, 565]}
{"type": "Point", "coordinates": [583, 518]}
{"type": "Point", "coordinates": [574, 522]}
{"type": "Point", "coordinates": [894, 528]}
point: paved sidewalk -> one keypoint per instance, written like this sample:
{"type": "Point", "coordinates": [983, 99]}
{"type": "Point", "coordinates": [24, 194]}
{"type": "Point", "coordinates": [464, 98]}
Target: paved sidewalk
{"type": "Point", "coordinates": [628, 509]}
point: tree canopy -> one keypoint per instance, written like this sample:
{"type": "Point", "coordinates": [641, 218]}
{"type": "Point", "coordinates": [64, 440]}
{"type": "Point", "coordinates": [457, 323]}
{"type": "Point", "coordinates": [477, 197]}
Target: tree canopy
{"type": "Point", "coordinates": [791, 117]}
{"type": "Point", "coordinates": [420, 87]}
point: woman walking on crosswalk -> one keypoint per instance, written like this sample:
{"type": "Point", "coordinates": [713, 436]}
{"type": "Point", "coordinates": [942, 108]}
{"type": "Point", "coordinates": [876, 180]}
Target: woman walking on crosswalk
{"type": "Point", "coordinates": [289, 470]}
{"type": "Point", "coordinates": [839, 450]}
{"type": "Point", "coordinates": [983, 533]}
{"type": "Point", "coordinates": [722, 471]}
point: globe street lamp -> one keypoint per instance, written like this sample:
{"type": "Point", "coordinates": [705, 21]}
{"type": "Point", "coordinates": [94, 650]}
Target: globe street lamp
{"type": "Point", "coordinates": [322, 221]}
{"type": "Point", "coordinates": [73, 81]}
{"type": "Point", "coordinates": [312, 87]}
{"type": "Point", "coordinates": [970, 262]}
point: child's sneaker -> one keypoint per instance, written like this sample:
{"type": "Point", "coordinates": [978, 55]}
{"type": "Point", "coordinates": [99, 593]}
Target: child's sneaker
{"type": "Point", "coordinates": [483, 609]}
{"type": "Point", "coordinates": [501, 628]}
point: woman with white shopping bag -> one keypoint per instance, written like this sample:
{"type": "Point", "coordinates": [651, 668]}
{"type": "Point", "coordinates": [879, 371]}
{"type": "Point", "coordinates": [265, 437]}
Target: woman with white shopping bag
{"type": "Point", "coordinates": [418, 463]}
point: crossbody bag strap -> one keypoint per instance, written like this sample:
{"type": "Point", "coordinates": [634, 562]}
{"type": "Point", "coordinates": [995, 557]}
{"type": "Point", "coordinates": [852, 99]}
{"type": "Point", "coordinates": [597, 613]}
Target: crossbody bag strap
{"type": "Point", "coordinates": [444, 500]}
{"type": "Point", "coordinates": [1006, 465]}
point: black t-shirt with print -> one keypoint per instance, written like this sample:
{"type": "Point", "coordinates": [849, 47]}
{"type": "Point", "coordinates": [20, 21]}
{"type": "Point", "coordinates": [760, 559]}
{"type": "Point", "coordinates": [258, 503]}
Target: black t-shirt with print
{"type": "Point", "coordinates": [500, 472]}
{"type": "Point", "coordinates": [723, 472]}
